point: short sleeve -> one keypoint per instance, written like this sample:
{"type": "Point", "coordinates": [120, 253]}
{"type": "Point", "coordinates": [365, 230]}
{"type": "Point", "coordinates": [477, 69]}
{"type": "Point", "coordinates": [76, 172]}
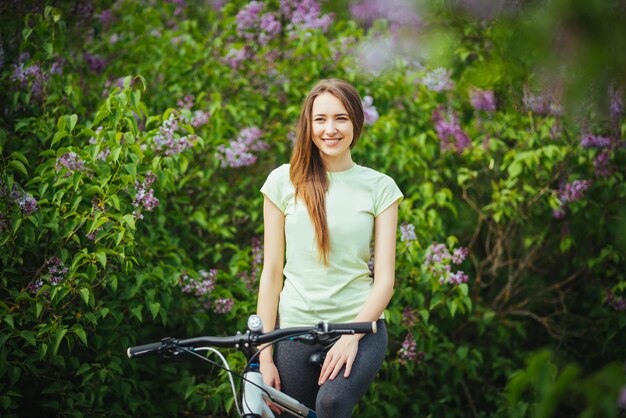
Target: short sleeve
{"type": "Point", "coordinates": [274, 187]}
{"type": "Point", "coordinates": [387, 193]}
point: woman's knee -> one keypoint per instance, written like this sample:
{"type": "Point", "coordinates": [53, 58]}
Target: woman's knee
{"type": "Point", "coordinates": [333, 403]}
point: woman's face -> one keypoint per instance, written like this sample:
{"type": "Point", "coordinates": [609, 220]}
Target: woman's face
{"type": "Point", "coordinates": [332, 127]}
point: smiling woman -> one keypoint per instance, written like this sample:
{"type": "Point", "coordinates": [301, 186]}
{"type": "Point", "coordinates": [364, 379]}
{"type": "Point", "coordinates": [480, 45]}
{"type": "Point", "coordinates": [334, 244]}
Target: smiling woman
{"type": "Point", "coordinates": [320, 213]}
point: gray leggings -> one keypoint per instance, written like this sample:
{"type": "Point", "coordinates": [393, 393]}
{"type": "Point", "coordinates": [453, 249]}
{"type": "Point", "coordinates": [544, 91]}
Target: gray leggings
{"type": "Point", "coordinates": [335, 398]}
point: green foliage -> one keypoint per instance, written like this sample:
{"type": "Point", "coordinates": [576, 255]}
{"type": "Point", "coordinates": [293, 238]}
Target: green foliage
{"type": "Point", "coordinates": [122, 222]}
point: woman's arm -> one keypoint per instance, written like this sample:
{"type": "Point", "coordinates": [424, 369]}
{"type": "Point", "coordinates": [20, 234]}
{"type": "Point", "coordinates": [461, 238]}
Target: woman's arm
{"type": "Point", "coordinates": [271, 284]}
{"type": "Point", "coordinates": [344, 351]}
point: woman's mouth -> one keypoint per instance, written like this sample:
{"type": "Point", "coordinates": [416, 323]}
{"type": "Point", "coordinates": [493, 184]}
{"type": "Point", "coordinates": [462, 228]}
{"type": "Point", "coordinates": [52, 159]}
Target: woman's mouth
{"type": "Point", "coordinates": [331, 141]}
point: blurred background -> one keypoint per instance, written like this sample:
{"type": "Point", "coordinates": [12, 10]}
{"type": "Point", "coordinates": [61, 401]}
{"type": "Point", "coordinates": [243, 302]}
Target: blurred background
{"type": "Point", "coordinates": [135, 136]}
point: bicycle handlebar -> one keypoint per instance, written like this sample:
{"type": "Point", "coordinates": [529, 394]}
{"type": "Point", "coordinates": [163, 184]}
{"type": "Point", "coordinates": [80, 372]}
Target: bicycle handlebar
{"type": "Point", "coordinates": [250, 338]}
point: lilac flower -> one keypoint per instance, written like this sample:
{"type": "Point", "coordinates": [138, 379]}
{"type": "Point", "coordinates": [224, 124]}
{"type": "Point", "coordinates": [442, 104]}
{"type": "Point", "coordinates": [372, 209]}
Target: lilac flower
{"type": "Point", "coordinates": [574, 191]}
{"type": "Point", "coordinates": [186, 102]}
{"type": "Point", "coordinates": [92, 235]}
{"type": "Point", "coordinates": [32, 76]}
{"type": "Point", "coordinates": [70, 161]}
{"type": "Point", "coordinates": [200, 118]}
{"type": "Point", "coordinates": [399, 13]}
{"type": "Point", "coordinates": [111, 84]}
{"type": "Point", "coordinates": [144, 195]}
{"type": "Point", "coordinates": [57, 66]}
{"type": "Point", "coordinates": [602, 164]}
{"type": "Point", "coordinates": [449, 131]}
{"type": "Point", "coordinates": [438, 80]}
{"type": "Point", "coordinates": [559, 213]}
{"type": "Point", "coordinates": [459, 255]}
{"type": "Point", "coordinates": [26, 202]}
{"type": "Point", "coordinates": [56, 270]}
{"type": "Point", "coordinates": [34, 286]}
{"type": "Point", "coordinates": [619, 304]}
{"type": "Point", "coordinates": [592, 141]}
{"type": "Point", "coordinates": [376, 55]}
{"type": "Point", "coordinates": [253, 26]}
{"type": "Point", "coordinates": [409, 317]}
{"type": "Point", "coordinates": [201, 286]}
{"type": "Point", "coordinates": [369, 110]}
{"type": "Point", "coordinates": [223, 306]}
{"type": "Point", "coordinates": [257, 254]}
{"type": "Point", "coordinates": [438, 261]}
{"type": "Point", "coordinates": [408, 353]}
{"type": "Point", "coordinates": [239, 151]}
{"type": "Point", "coordinates": [168, 142]}
{"type": "Point", "coordinates": [370, 263]}
{"type": "Point", "coordinates": [95, 63]}
{"type": "Point", "coordinates": [482, 99]}
{"type": "Point", "coordinates": [93, 140]}
{"type": "Point", "coordinates": [106, 17]}
{"type": "Point", "coordinates": [102, 155]}
{"type": "Point", "coordinates": [616, 106]}
{"type": "Point", "coordinates": [235, 57]}
{"type": "Point", "coordinates": [407, 232]}
{"type": "Point", "coordinates": [541, 104]}
{"type": "Point", "coordinates": [305, 14]}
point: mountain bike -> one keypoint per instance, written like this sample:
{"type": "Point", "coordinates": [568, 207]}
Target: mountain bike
{"type": "Point", "coordinates": [254, 392]}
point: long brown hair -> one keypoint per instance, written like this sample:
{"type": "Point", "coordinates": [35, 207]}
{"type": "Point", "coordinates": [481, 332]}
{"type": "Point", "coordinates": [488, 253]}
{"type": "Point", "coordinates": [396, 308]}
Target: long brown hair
{"type": "Point", "coordinates": [307, 171]}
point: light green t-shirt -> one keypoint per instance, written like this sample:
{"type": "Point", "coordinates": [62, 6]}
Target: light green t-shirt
{"type": "Point", "coordinates": [313, 292]}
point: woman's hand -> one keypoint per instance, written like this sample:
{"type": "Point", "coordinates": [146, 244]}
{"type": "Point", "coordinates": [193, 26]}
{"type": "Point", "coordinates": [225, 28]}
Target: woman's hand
{"type": "Point", "coordinates": [272, 378]}
{"type": "Point", "coordinates": [343, 352]}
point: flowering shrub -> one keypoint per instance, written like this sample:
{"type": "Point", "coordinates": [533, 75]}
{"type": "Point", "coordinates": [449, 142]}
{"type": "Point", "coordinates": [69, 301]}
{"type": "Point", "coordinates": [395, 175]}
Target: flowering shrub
{"type": "Point", "coordinates": [136, 135]}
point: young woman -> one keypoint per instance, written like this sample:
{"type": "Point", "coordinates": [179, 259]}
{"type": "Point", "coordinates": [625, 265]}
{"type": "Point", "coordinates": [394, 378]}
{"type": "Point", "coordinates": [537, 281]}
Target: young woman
{"type": "Point", "coordinates": [320, 212]}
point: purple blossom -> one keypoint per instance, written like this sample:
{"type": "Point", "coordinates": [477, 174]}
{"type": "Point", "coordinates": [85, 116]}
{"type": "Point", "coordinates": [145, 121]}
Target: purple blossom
{"type": "Point", "coordinates": [92, 235]}
{"type": "Point", "coordinates": [574, 191]}
{"type": "Point", "coordinates": [186, 102]}
{"type": "Point", "coordinates": [438, 80]}
{"type": "Point", "coordinates": [56, 270]}
{"type": "Point", "coordinates": [201, 286]}
{"type": "Point", "coordinates": [399, 13]}
{"type": "Point", "coordinates": [305, 14]}
{"type": "Point", "coordinates": [617, 303]}
{"type": "Point", "coordinates": [102, 155]}
{"type": "Point", "coordinates": [459, 255]}
{"type": "Point", "coordinates": [144, 195]}
{"type": "Point", "coordinates": [254, 26]}
{"type": "Point", "coordinates": [370, 263]}
{"type": "Point", "coordinates": [376, 55]}
{"type": "Point", "coordinates": [168, 142]}
{"type": "Point", "coordinates": [94, 139]}
{"type": "Point", "coordinates": [449, 132]}
{"type": "Point", "coordinates": [593, 141]}
{"type": "Point", "coordinates": [32, 77]}
{"type": "Point", "coordinates": [95, 63]}
{"type": "Point", "coordinates": [482, 99]}
{"type": "Point", "coordinates": [408, 353]}
{"type": "Point", "coordinates": [409, 317]}
{"type": "Point", "coordinates": [369, 110]}
{"type": "Point", "coordinates": [407, 232]}
{"type": "Point", "coordinates": [438, 261]}
{"type": "Point", "coordinates": [616, 105]}
{"type": "Point", "coordinates": [223, 306]}
{"type": "Point", "coordinates": [110, 84]}
{"type": "Point", "coordinates": [602, 164]}
{"type": "Point", "coordinates": [70, 161]}
{"type": "Point", "coordinates": [541, 104]}
{"type": "Point", "coordinates": [106, 17]}
{"type": "Point", "coordinates": [235, 57]}
{"type": "Point", "coordinates": [34, 286]}
{"type": "Point", "coordinates": [238, 153]}
{"type": "Point", "coordinates": [559, 213]}
{"type": "Point", "coordinates": [26, 202]}
{"type": "Point", "coordinates": [200, 118]}
{"type": "Point", "coordinates": [57, 66]}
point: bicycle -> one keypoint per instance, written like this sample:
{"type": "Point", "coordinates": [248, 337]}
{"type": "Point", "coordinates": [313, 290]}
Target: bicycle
{"type": "Point", "coordinates": [255, 393]}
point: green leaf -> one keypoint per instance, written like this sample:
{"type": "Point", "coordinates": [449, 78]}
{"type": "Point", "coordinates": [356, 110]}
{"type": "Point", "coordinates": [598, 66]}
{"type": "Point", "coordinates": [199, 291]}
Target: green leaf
{"type": "Point", "coordinates": [130, 220]}
{"type": "Point", "coordinates": [58, 337]}
{"type": "Point", "coordinates": [61, 124]}
{"type": "Point", "coordinates": [19, 166]}
{"type": "Point", "coordinates": [80, 333]}
{"type": "Point", "coordinates": [29, 336]}
{"type": "Point", "coordinates": [38, 309]}
{"type": "Point", "coordinates": [102, 258]}
{"type": "Point", "coordinates": [154, 309]}
{"type": "Point", "coordinates": [464, 289]}
{"type": "Point", "coordinates": [73, 120]}
{"type": "Point", "coordinates": [84, 294]}
{"type": "Point", "coordinates": [137, 312]}
{"type": "Point", "coordinates": [8, 318]}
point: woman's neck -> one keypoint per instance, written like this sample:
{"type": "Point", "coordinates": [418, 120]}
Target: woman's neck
{"type": "Point", "coordinates": [336, 165]}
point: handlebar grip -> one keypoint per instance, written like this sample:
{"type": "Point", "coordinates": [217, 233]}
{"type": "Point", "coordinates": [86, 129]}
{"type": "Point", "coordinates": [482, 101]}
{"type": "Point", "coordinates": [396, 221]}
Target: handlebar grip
{"type": "Point", "coordinates": [353, 327]}
{"type": "Point", "coordinates": [143, 350]}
